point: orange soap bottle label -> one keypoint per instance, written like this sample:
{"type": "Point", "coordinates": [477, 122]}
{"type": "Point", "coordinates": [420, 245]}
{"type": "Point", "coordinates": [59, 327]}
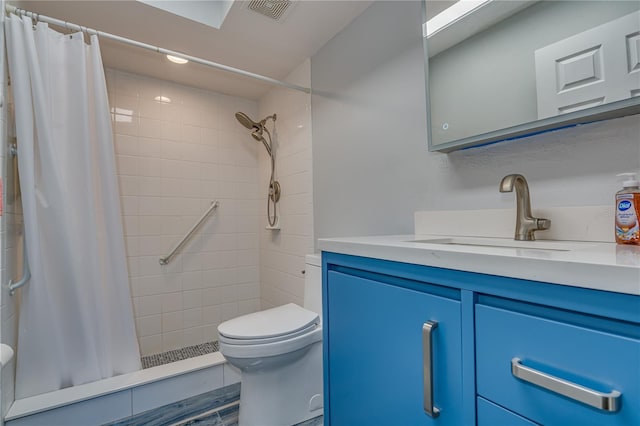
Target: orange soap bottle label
{"type": "Point", "coordinates": [627, 226]}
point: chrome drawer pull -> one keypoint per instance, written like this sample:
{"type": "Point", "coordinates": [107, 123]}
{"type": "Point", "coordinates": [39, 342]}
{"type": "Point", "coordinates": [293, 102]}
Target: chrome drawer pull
{"type": "Point", "coordinates": [427, 368]}
{"type": "Point", "coordinates": [602, 401]}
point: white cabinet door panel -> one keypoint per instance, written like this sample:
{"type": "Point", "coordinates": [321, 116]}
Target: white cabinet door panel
{"type": "Point", "coordinates": [597, 66]}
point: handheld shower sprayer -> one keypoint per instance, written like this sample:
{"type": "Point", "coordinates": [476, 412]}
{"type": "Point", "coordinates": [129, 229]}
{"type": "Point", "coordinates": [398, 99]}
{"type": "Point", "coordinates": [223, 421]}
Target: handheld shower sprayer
{"type": "Point", "coordinates": [258, 129]}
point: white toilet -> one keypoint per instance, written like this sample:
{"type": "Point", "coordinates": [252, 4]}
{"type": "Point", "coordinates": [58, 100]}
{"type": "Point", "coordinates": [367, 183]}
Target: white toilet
{"type": "Point", "coordinates": [279, 353]}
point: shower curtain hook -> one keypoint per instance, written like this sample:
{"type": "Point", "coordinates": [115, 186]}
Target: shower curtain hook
{"type": "Point", "coordinates": [87, 34]}
{"type": "Point", "coordinates": [34, 19]}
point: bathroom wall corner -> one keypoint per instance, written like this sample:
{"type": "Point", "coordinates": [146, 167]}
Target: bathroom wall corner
{"type": "Point", "coordinates": [282, 253]}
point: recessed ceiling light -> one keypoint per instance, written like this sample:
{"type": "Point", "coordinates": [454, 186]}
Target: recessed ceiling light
{"type": "Point", "coordinates": [177, 60]}
{"type": "Point", "coordinates": [162, 99]}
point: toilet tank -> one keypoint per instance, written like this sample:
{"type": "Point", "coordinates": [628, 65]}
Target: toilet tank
{"type": "Point", "coordinates": [313, 283]}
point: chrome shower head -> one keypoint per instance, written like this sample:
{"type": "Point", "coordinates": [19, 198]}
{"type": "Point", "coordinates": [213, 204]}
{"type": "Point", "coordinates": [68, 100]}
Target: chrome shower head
{"type": "Point", "coordinates": [247, 122]}
{"type": "Point", "coordinates": [253, 125]}
{"type": "Point", "coordinates": [257, 129]}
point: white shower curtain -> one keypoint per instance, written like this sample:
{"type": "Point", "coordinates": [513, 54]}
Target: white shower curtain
{"type": "Point", "coordinates": [76, 320]}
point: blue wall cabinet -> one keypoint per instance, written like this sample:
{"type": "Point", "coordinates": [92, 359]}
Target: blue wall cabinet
{"type": "Point", "coordinates": [504, 351]}
{"type": "Point", "coordinates": [384, 360]}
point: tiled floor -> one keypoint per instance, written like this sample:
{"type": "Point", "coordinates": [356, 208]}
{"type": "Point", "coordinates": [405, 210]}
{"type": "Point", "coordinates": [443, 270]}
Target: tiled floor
{"type": "Point", "coordinates": [229, 417]}
{"type": "Point", "coordinates": [225, 417]}
{"type": "Point", "coordinates": [316, 421]}
{"type": "Point", "coordinates": [179, 354]}
{"type": "Point", "coordinates": [218, 407]}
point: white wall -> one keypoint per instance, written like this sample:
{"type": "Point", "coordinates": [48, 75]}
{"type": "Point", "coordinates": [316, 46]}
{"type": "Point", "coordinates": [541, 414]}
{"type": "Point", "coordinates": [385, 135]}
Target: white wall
{"type": "Point", "coordinates": [173, 159]}
{"type": "Point", "coordinates": [282, 252]}
{"type": "Point", "coordinates": [371, 166]}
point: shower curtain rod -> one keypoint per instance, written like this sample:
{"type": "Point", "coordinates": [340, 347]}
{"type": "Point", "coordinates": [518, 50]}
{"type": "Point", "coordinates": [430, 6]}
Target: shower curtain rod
{"type": "Point", "coordinates": [75, 27]}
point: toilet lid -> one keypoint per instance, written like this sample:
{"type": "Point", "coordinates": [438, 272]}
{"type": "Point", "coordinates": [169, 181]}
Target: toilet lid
{"type": "Point", "coordinates": [274, 322]}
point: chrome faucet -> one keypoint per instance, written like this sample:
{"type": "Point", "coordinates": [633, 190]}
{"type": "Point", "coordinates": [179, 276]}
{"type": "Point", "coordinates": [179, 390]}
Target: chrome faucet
{"type": "Point", "coordinates": [526, 224]}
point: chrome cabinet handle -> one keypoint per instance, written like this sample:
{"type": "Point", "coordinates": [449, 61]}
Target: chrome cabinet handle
{"type": "Point", "coordinates": [427, 368]}
{"type": "Point", "coordinates": [603, 401]}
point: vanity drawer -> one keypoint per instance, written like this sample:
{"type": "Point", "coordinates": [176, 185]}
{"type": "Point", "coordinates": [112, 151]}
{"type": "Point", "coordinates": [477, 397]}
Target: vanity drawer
{"type": "Point", "coordinates": [490, 414]}
{"type": "Point", "coordinates": [551, 358]}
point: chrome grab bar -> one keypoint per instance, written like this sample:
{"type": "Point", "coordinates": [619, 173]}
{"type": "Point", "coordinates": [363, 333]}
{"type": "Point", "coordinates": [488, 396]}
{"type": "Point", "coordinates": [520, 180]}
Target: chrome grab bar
{"type": "Point", "coordinates": [427, 368]}
{"type": "Point", "coordinates": [166, 259]}
{"type": "Point", "coordinates": [603, 401]}
{"type": "Point", "coordinates": [26, 272]}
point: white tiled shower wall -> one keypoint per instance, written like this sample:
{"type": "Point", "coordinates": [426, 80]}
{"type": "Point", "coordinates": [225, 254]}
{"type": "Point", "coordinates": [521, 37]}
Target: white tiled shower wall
{"type": "Point", "coordinates": [282, 252]}
{"type": "Point", "coordinates": [175, 155]}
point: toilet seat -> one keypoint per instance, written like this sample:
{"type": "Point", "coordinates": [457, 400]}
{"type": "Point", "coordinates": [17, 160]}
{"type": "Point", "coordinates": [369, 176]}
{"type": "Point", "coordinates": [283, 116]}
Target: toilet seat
{"type": "Point", "coordinates": [270, 332]}
{"type": "Point", "coordinates": [261, 341]}
{"type": "Point", "coordinates": [231, 348]}
{"type": "Point", "coordinates": [269, 325]}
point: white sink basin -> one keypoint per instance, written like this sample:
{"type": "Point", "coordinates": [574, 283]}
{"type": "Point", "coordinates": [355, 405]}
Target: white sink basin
{"type": "Point", "coordinates": [500, 242]}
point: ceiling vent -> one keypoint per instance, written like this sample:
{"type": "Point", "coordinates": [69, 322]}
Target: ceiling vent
{"type": "Point", "coordinates": [273, 9]}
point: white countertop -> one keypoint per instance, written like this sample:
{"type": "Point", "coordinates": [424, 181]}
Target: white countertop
{"type": "Point", "coordinates": [594, 265]}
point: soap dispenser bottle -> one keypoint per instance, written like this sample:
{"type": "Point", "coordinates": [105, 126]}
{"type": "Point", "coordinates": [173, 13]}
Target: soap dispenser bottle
{"type": "Point", "coordinates": [628, 210]}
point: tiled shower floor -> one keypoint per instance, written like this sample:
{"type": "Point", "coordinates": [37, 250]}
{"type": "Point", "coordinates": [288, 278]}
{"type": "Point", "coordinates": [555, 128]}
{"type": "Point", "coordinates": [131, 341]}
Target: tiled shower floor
{"type": "Point", "coordinates": [179, 354]}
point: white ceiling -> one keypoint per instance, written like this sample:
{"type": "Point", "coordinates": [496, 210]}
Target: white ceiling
{"type": "Point", "coordinates": [247, 40]}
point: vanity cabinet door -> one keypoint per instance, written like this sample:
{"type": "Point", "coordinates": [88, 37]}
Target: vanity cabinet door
{"type": "Point", "coordinates": [375, 365]}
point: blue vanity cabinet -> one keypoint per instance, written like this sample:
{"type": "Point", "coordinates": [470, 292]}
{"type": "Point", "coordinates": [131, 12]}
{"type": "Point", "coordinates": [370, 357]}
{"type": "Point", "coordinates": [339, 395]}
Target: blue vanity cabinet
{"type": "Point", "coordinates": [375, 354]}
{"type": "Point", "coordinates": [506, 352]}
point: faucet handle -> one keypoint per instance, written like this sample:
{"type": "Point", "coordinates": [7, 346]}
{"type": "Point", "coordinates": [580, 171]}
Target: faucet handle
{"type": "Point", "coordinates": [543, 224]}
